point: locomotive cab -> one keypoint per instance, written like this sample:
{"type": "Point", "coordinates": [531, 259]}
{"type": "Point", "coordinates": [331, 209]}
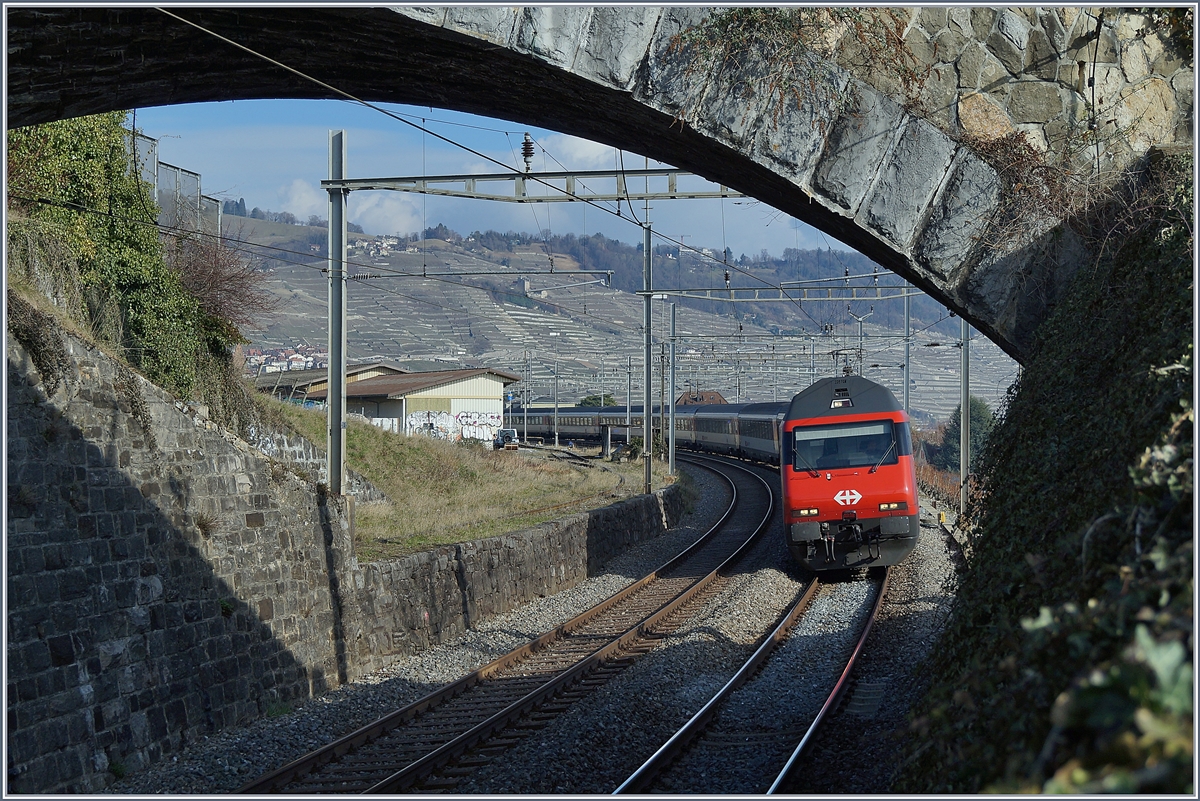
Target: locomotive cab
{"type": "Point", "coordinates": [849, 483]}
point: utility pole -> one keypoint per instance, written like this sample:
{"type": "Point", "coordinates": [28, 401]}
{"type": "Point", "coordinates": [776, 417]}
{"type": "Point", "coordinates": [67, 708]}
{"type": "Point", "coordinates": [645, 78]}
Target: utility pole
{"type": "Point", "coordinates": [860, 334]}
{"type": "Point", "coordinates": [671, 438]}
{"type": "Point", "coordinates": [662, 389]}
{"type": "Point", "coordinates": [964, 419]}
{"type": "Point", "coordinates": [647, 337]}
{"type": "Point", "coordinates": [336, 398]}
{"type": "Point", "coordinates": [907, 343]}
{"type": "Point", "coordinates": [628, 401]}
{"type": "Point", "coordinates": [525, 406]}
{"type": "Point", "coordinates": [555, 335]}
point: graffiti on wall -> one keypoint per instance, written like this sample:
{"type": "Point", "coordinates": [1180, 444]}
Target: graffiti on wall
{"type": "Point", "coordinates": [454, 427]}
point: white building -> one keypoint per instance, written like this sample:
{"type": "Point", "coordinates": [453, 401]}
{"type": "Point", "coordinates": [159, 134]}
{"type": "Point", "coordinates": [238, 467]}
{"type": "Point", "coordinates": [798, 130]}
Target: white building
{"type": "Point", "coordinates": [448, 404]}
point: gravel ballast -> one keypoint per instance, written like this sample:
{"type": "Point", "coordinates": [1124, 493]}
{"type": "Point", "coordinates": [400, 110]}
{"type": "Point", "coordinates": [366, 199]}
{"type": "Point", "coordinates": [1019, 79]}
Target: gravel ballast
{"type": "Point", "coordinates": [584, 750]}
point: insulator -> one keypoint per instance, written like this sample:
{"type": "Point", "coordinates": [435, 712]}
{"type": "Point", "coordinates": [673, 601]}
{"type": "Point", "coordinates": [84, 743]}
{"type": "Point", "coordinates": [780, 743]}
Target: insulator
{"type": "Point", "coordinates": [527, 152]}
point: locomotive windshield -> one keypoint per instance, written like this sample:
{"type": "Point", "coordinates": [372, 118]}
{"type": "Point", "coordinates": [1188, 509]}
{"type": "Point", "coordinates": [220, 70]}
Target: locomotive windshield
{"type": "Point", "coordinates": [849, 445]}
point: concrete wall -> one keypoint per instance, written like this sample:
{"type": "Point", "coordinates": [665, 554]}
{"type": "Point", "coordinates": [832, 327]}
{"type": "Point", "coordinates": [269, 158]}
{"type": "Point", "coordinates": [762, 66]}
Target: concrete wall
{"type": "Point", "coordinates": [166, 580]}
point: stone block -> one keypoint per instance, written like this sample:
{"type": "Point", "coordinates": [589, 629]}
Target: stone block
{"type": "Point", "coordinates": [792, 137]}
{"type": "Point", "coordinates": [939, 97]}
{"type": "Point", "coordinates": [982, 22]}
{"type": "Point", "coordinates": [855, 148]}
{"type": "Point", "coordinates": [1146, 113]}
{"type": "Point", "coordinates": [1015, 27]}
{"type": "Point", "coordinates": [933, 19]}
{"type": "Point", "coordinates": [550, 32]}
{"type": "Point", "coordinates": [615, 44]}
{"type": "Point", "coordinates": [671, 86]}
{"type": "Point", "coordinates": [1035, 102]}
{"type": "Point", "coordinates": [907, 183]}
{"type": "Point", "coordinates": [1008, 54]}
{"type": "Point", "coordinates": [949, 45]}
{"type": "Point", "coordinates": [1041, 59]}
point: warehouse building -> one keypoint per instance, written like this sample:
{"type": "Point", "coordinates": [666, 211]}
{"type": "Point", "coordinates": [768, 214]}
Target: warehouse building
{"type": "Point", "coordinates": [447, 404]}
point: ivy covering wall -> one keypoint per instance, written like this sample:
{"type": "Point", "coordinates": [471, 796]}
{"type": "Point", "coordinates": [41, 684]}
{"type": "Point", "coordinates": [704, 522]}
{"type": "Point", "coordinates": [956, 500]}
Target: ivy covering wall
{"type": "Point", "coordinates": [1066, 665]}
{"type": "Point", "coordinates": [80, 212]}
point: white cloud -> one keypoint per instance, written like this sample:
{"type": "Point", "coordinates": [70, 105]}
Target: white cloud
{"type": "Point", "coordinates": [384, 212]}
{"type": "Point", "coordinates": [578, 154]}
{"type": "Point", "coordinates": [303, 199]}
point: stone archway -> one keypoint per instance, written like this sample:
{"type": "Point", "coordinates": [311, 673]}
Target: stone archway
{"type": "Point", "coordinates": [873, 175]}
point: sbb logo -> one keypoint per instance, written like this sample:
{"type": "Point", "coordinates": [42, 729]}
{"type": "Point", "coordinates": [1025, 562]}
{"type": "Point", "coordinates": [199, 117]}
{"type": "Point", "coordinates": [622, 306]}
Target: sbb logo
{"type": "Point", "coordinates": [848, 497]}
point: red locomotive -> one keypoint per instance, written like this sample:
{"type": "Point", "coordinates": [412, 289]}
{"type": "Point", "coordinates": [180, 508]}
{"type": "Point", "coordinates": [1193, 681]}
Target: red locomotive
{"type": "Point", "coordinates": [849, 485]}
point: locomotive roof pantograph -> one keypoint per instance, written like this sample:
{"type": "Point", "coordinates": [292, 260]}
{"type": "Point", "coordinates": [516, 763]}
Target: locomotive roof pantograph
{"type": "Point", "coordinates": [833, 397]}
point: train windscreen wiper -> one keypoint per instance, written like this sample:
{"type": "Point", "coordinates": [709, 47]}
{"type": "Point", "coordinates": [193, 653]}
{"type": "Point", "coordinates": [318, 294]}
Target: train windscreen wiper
{"type": "Point", "coordinates": [816, 473]}
{"type": "Point", "coordinates": [885, 455]}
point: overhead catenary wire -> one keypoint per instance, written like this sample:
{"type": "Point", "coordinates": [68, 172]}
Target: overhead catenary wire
{"type": "Point", "coordinates": [375, 107]}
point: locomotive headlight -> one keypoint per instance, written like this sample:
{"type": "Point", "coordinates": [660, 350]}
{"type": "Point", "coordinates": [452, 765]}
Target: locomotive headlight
{"type": "Point", "coordinates": [804, 512]}
{"type": "Point", "coordinates": [894, 506]}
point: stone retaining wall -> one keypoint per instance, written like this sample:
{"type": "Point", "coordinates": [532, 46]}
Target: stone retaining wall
{"type": "Point", "coordinates": [167, 581]}
{"type": "Point", "coordinates": [409, 604]}
{"type": "Point", "coordinates": [301, 454]}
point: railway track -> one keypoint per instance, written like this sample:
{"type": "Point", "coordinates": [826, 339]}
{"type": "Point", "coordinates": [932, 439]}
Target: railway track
{"type": "Point", "coordinates": [430, 744]}
{"type": "Point", "coordinates": [707, 733]}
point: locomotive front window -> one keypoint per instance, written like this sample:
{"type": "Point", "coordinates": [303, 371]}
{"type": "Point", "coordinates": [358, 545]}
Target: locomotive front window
{"type": "Point", "coordinates": [845, 445]}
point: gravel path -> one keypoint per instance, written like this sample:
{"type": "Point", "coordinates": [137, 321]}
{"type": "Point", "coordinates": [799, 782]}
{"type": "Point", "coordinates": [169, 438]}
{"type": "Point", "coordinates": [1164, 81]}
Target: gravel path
{"type": "Point", "coordinates": [223, 762]}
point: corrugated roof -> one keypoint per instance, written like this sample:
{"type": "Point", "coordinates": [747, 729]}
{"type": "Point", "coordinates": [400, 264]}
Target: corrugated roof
{"type": "Point", "coordinates": [397, 386]}
{"type": "Point", "coordinates": [292, 378]}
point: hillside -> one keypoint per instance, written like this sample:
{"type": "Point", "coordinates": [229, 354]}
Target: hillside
{"type": "Point", "coordinates": [517, 312]}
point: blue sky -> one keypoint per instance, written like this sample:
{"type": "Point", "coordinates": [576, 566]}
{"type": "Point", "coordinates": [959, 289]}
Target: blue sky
{"type": "Point", "coordinates": [274, 154]}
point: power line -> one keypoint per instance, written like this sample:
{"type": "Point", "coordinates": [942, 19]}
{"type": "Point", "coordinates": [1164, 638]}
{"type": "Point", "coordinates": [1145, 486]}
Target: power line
{"type": "Point", "coordinates": [447, 140]}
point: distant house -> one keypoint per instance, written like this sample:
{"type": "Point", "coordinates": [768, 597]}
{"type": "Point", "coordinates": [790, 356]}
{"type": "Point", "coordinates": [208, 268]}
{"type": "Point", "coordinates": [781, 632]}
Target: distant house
{"type": "Point", "coordinates": [700, 398]}
{"type": "Point", "coordinates": [447, 404]}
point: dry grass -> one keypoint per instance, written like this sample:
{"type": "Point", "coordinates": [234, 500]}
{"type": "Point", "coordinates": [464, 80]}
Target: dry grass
{"type": "Point", "coordinates": [444, 492]}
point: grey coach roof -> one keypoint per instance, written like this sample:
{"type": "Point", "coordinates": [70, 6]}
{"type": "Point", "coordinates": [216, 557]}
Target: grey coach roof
{"type": "Point", "coordinates": [866, 396]}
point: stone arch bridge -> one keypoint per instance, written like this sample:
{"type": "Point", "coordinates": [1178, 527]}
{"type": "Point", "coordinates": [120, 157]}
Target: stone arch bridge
{"type": "Point", "coordinates": [891, 179]}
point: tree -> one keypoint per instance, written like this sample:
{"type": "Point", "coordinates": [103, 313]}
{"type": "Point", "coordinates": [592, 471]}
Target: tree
{"type": "Point", "coordinates": [230, 288]}
{"type": "Point", "coordinates": [982, 422]}
{"type": "Point", "coordinates": [594, 400]}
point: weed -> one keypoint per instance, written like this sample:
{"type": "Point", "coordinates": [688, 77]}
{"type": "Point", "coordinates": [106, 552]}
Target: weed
{"type": "Point", "coordinates": [278, 470]}
{"type": "Point", "coordinates": [206, 523]}
{"type": "Point", "coordinates": [277, 709]}
{"type": "Point", "coordinates": [39, 335]}
{"type": "Point", "coordinates": [793, 50]}
{"type": "Point", "coordinates": [227, 607]}
{"type": "Point", "coordinates": [117, 769]}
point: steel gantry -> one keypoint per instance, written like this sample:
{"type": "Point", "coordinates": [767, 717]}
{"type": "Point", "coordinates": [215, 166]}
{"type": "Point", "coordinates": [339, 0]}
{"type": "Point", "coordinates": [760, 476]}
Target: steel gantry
{"type": "Point", "coordinates": [557, 187]}
{"type": "Point", "coordinates": [554, 187]}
